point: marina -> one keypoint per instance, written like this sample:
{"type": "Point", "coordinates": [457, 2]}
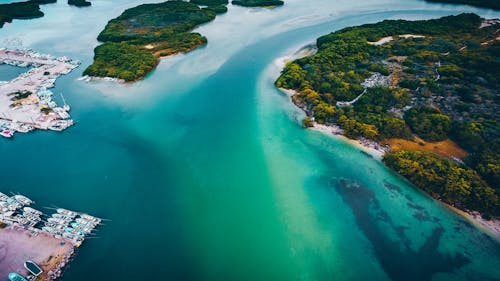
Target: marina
{"type": "Point", "coordinates": [26, 103]}
{"type": "Point", "coordinates": [36, 246]}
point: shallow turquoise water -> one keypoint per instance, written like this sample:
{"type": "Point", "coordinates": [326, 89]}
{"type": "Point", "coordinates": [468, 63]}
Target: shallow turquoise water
{"type": "Point", "coordinates": [205, 173]}
{"type": "Point", "coordinates": [9, 72]}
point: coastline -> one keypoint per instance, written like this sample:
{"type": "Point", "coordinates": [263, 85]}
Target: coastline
{"type": "Point", "coordinates": [491, 227]}
{"type": "Point", "coordinates": [377, 150]}
{"type": "Point", "coordinates": [89, 78]}
{"type": "Point", "coordinates": [373, 149]}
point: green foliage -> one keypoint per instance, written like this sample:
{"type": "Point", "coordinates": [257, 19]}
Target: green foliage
{"type": "Point", "coordinates": [210, 2]}
{"type": "Point", "coordinates": [20, 10]}
{"type": "Point", "coordinates": [493, 4]}
{"type": "Point", "coordinates": [121, 60]}
{"type": "Point", "coordinates": [218, 9]}
{"type": "Point", "coordinates": [258, 3]}
{"type": "Point", "coordinates": [149, 23]}
{"type": "Point", "coordinates": [307, 122]}
{"type": "Point", "coordinates": [149, 30]}
{"type": "Point", "coordinates": [428, 123]}
{"type": "Point", "coordinates": [446, 180]}
{"type": "Point", "coordinates": [482, 140]}
{"type": "Point", "coordinates": [449, 66]}
{"type": "Point", "coordinates": [354, 129]}
{"type": "Point", "coordinates": [79, 3]}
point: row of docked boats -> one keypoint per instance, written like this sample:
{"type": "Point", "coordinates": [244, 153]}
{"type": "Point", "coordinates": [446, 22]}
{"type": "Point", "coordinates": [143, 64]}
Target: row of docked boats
{"type": "Point", "coordinates": [71, 225]}
{"type": "Point", "coordinates": [63, 224]}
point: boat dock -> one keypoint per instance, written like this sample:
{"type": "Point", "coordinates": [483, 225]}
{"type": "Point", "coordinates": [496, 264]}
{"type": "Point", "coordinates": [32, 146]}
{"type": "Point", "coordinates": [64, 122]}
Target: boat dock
{"type": "Point", "coordinates": [25, 101]}
{"type": "Point", "coordinates": [32, 238]}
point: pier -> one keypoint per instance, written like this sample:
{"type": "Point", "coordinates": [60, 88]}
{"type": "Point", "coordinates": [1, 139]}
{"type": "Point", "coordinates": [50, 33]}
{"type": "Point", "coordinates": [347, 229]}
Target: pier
{"type": "Point", "coordinates": [25, 101]}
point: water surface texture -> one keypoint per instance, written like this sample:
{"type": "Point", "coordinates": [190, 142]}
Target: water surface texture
{"type": "Point", "coordinates": [205, 173]}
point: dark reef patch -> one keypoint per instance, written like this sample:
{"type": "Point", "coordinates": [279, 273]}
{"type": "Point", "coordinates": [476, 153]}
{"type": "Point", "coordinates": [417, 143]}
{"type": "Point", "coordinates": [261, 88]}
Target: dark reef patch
{"type": "Point", "coordinates": [397, 258]}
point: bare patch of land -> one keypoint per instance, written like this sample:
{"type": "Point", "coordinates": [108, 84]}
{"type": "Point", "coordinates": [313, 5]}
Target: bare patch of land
{"type": "Point", "coordinates": [446, 148]}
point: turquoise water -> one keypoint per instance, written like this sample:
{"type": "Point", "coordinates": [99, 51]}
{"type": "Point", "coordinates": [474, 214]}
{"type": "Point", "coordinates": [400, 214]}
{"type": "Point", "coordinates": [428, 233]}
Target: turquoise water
{"type": "Point", "coordinates": [9, 72]}
{"type": "Point", "coordinates": [205, 173]}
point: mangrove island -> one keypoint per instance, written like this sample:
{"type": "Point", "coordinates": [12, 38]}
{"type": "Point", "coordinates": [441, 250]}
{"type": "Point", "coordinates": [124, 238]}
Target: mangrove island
{"type": "Point", "coordinates": [21, 10]}
{"type": "Point", "coordinates": [134, 41]}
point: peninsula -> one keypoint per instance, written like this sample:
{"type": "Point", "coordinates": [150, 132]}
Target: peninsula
{"type": "Point", "coordinates": [426, 90]}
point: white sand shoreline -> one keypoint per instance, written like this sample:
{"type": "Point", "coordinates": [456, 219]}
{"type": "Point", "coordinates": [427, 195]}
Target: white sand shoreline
{"type": "Point", "coordinates": [377, 151]}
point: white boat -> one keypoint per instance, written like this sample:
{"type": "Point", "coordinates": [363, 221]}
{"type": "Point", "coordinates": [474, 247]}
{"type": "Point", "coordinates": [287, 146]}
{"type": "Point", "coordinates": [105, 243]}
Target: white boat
{"type": "Point", "coordinates": [91, 218]}
{"type": "Point", "coordinates": [67, 213]}
{"type": "Point", "coordinates": [32, 211]}
{"type": "Point", "coordinates": [6, 133]}
{"type": "Point", "coordinates": [23, 199]}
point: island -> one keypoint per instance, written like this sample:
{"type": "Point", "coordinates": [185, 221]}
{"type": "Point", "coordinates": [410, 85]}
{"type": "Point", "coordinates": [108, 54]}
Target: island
{"type": "Point", "coordinates": [21, 10]}
{"type": "Point", "coordinates": [134, 41]}
{"type": "Point", "coordinates": [492, 4]}
{"type": "Point", "coordinates": [258, 3]}
{"type": "Point", "coordinates": [79, 3]}
{"type": "Point", "coordinates": [426, 92]}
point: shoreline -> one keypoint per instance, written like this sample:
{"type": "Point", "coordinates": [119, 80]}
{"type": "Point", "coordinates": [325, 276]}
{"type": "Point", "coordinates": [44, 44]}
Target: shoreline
{"type": "Point", "coordinates": [377, 151]}
{"type": "Point", "coordinates": [373, 149]}
{"type": "Point", "coordinates": [490, 227]}
{"type": "Point", "coordinates": [89, 78]}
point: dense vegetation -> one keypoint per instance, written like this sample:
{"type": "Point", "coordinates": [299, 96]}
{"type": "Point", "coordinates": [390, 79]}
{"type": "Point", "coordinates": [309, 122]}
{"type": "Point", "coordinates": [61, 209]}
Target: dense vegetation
{"type": "Point", "coordinates": [29, 9]}
{"type": "Point", "coordinates": [121, 60]}
{"type": "Point", "coordinates": [493, 4]}
{"type": "Point", "coordinates": [21, 10]}
{"type": "Point", "coordinates": [443, 83]}
{"type": "Point", "coordinates": [258, 3]}
{"type": "Point", "coordinates": [210, 2]}
{"type": "Point", "coordinates": [79, 3]}
{"type": "Point", "coordinates": [451, 182]}
{"type": "Point", "coordinates": [216, 6]}
{"type": "Point", "coordinates": [150, 31]}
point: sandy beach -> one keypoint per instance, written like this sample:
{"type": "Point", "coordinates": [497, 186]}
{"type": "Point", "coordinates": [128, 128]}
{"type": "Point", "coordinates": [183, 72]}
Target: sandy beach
{"type": "Point", "coordinates": [491, 227]}
{"type": "Point", "coordinates": [377, 151]}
